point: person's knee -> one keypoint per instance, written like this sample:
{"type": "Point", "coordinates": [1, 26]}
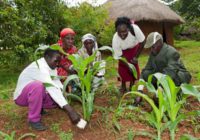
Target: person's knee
{"type": "Point", "coordinates": [39, 86]}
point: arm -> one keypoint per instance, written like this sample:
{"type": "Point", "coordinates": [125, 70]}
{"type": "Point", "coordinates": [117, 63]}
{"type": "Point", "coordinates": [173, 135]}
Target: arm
{"type": "Point", "coordinates": [73, 115]}
{"type": "Point", "coordinates": [139, 51]}
{"type": "Point", "coordinates": [55, 91]}
{"type": "Point", "coordinates": [116, 48]}
{"type": "Point", "coordinates": [140, 37]}
{"type": "Point", "coordinates": [148, 69]}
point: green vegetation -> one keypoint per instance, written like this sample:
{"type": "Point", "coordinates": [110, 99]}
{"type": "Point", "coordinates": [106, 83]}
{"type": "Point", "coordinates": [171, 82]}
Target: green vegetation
{"type": "Point", "coordinates": [23, 28]}
{"type": "Point", "coordinates": [62, 134]}
{"type": "Point", "coordinates": [8, 82]}
{"type": "Point", "coordinates": [190, 58]}
{"type": "Point", "coordinates": [84, 78]}
{"type": "Point", "coordinates": [12, 136]}
{"type": "Point", "coordinates": [187, 43]}
{"type": "Point", "coordinates": [168, 102]}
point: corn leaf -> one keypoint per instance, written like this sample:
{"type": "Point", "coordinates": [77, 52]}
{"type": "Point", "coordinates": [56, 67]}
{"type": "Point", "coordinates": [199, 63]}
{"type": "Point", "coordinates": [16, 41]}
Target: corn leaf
{"type": "Point", "coordinates": [190, 90]}
{"type": "Point", "coordinates": [74, 96]}
{"type": "Point", "coordinates": [48, 85]}
{"type": "Point", "coordinates": [188, 137]}
{"type": "Point", "coordinates": [69, 78]}
{"type": "Point", "coordinates": [181, 117]}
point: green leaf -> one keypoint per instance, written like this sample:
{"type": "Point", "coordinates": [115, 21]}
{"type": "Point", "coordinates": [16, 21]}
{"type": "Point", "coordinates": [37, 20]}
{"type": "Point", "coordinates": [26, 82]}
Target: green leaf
{"type": "Point", "coordinates": [116, 126]}
{"type": "Point", "coordinates": [48, 85]}
{"type": "Point", "coordinates": [131, 66]}
{"type": "Point", "coordinates": [27, 135]}
{"type": "Point", "coordinates": [58, 48]}
{"type": "Point", "coordinates": [74, 96]}
{"type": "Point", "coordinates": [181, 117]}
{"type": "Point", "coordinates": [190, 90]}
{"type": "Point", "coordinates": [188, 137]}
{"type": "Point", "coordinates": [69, 78]}
{"type": "Point", "coordinates": [130, 135]}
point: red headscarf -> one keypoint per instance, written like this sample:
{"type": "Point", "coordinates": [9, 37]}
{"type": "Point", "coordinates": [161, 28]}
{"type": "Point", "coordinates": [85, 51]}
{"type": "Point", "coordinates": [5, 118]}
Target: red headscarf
{"type": "Point", "coordinates": [65, 32]}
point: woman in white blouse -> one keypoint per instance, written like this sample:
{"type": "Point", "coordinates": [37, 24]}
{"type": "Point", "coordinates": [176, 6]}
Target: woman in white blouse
{"type": "Point", "coordinates": [127, 42]}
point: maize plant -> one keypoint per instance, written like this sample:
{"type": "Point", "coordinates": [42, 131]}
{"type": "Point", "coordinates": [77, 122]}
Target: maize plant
{"type": "Point", "coordinates": [86, 71]}
{"type": "Point", "coordinates": [85, 75]}
{"type": "Point", "coordinates": [173, 104]}
{"type": "Point", "coordinates": [167, 94]}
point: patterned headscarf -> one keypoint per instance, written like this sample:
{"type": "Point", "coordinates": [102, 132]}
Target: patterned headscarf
{"type": "Point", "coordinates": [83, 52]}
{"type": "Point", "coordinates": [90, 37]}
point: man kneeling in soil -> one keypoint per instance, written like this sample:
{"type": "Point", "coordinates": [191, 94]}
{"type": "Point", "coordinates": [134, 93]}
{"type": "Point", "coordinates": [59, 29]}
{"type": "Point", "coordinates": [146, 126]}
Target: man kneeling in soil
{"type": "Point", "coordinates": [31, 90]}
{"type": "Point", "coordinates": [164, 59]}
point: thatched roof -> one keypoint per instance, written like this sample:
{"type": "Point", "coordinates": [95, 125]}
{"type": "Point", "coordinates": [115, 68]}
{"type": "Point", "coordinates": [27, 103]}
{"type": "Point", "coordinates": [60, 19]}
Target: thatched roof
{"type": "Point", "coordinates": [147, 10]}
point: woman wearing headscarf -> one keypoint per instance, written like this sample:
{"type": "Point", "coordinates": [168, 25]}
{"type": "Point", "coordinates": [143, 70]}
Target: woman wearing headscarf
{"type": "Point", "coordinates": [67, 36]}
{"type": "Point", "coordinates": [89, 47]}
{"type": "Point", "coordinates": [127, 43]}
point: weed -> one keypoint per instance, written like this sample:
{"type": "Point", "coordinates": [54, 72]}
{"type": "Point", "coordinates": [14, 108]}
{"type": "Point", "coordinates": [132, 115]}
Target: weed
{"type": "Point", "coordinates": [66, 135]}
{"type": "Point", "coordinates": [12, 136]}
{"type": "Point", "coordinates": [55, 127]}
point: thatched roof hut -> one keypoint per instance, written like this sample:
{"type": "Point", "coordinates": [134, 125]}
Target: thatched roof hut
{"type": "Point", "coordinates": [149, 15]}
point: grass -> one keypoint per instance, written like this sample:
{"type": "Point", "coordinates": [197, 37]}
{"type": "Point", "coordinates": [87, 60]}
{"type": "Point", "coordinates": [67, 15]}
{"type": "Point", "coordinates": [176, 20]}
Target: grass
{"type": "Point", "coordinates": [62, 134]}
{"type": "Point", "coordinates": [7, 83]}
{"type": "Point", "coordinates": [187, 43]}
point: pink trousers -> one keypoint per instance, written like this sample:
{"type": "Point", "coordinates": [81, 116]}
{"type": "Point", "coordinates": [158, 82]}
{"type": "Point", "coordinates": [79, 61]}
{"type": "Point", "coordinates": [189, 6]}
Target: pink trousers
{"type": "Point", "coordinates": [35, 97]}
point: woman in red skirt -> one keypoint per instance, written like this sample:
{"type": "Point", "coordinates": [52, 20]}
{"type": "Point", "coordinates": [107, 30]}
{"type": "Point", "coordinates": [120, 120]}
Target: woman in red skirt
{"type": "Point", "coordinates": [127, 43]}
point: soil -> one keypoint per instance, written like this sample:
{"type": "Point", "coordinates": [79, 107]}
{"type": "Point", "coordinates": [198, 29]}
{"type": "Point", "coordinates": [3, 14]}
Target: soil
{"type": "Point", "coordinates": [14, 118]}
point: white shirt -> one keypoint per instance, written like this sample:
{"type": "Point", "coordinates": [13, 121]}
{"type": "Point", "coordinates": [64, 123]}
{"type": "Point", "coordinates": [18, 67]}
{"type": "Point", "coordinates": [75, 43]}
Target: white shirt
{"type": "Point", "coordinates": [44, 74]}
{"type": "Point", "coordinates": [129, 42]}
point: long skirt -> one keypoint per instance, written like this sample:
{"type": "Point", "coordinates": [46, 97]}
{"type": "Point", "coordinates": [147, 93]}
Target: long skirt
{"type": "Point", "coordinates": [124, 71]}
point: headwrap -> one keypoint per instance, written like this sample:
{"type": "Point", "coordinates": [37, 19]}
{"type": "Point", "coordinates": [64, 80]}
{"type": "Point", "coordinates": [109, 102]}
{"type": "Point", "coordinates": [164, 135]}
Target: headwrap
{"type": "Point", "coordinates": [90, 37]}
{"type": "Point", "coordinates": [83, 52]}
{"type": "Point", "coordinates": [66, 31]}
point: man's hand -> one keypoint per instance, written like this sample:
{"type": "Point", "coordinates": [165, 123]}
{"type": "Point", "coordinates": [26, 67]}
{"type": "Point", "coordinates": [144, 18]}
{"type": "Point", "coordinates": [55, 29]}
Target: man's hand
{"type": "Point", "coordinates": [73, 115]}
{"type": "Point", "coordinates": [72, 71]}
{"type": "Point", "coordinates": [138, 99]}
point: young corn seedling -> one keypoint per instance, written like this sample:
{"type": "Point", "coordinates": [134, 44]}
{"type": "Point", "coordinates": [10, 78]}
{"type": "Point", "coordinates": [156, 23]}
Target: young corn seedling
{"type": "Point", "coordinates": [155, 117]}
{"type": "Point", "coordinates": [84, 77]}
{"type": "Point", "coordinates": [12, 136]}
{"type": "Point", "coordinates": [173, 105]}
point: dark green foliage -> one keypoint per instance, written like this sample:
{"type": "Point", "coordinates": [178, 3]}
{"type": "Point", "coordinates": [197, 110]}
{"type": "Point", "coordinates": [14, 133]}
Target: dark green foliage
{"type": "Point", "coordinates": [27, 23]}
{"type": "Point", "coordinates": [190, 11]}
